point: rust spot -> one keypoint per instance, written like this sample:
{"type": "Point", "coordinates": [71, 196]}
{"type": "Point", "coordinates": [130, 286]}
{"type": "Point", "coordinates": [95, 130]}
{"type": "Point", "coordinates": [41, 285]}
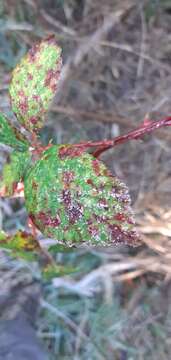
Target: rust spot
{"type": "Point", "coordinates": [120, 217]}
{"type": "Point", "coordinates": [47, 220]}
{"type": "Point", "coordinates": [49, 77]}
{"type": "Point", "coordinates": [120, 236]}
{"type": "Point", "coordinates": [51, 39]}
{"type": "Point", "coordinates": [70, 151]}
{"type": "Point", "coordinates": [75, 213]}
{"type": "Point", "coordinates": [34, 185]}
{"type": "Point", "coordinates": [21, 93]}
{"type": "Point", "coordinates": [90, 182]}
{"type": "Point", "coordinates": [32, 53]}
{"type": "Point", "coordinates": [96, 167]}
{"type": "Point", "coordinates": [29, 76]}
{"type": "Point", "coordinates": [93, 230]}
{"type": "Point", "coordinates": [33, 120]}
{"type": "Point", "coordinates": [66, 197]}
{"type": "Point", "coordinates": [73, 210]}
{"type": "Point", "coordinates": [68, 177]}
{"type": "Point", "coordinates": [103, 204]}
{"type": "Point", "coordinates": [101, 218]}
{"type": "Point", "coordinates": [23, 105]}
{"type": "Point", "coordinates": [36, 98]}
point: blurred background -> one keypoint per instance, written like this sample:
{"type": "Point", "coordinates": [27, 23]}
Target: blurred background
{"type": "Point", "coordinates": [117, 71]}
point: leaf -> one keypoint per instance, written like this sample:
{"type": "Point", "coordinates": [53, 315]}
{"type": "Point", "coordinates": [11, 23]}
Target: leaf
{"type": "Point", "coordinates": [34, 83]}
{"type": "Point", "coordinates": [11, 136]}
{"type": "Point", "coordinates": [22, 245]}
{"type": "Point", "coordinates": [13, 171]}
{"type": "Point", "coordinates": [73, 197]}
{"type": "Point", "coordinates": [51, 271]}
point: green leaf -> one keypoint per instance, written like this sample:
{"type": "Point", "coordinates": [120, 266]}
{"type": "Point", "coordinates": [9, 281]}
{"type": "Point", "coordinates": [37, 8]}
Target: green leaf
{"type": "Point", "coordinates": [51, 271]}
{"type": "Point", "coordinates": [14, 171]}
{"type": "Point", "coordinates": [34, 83]}
{"type": "Point", "coordinates": [73, 197]}
{"type": "Point", "coordinates": [11, 136]}
{"type": "Point", "coordinates": [22, 245]}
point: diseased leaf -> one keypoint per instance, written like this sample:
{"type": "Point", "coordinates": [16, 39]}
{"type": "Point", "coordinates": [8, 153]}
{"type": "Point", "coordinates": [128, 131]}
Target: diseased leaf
{"type": "Point", "coordinates": [73, 197]}
{"type": "Point", "coordinates": [34, 83]}
{"type": "Point", "coordinates": [11, 136]}
{"type": "Point", "coordinates": [14, 171]}
{"type": "Point", "coordinates": [22, 245]}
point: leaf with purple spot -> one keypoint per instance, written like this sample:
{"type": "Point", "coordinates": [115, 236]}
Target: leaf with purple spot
{"type": "Point", "coordinates": [34, 83]}
{"type": "Point", "coordinates": [73, 197]}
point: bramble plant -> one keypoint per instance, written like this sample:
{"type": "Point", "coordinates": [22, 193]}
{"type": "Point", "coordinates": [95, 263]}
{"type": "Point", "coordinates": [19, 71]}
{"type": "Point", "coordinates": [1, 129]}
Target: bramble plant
{"type": "Point", "coordinates": [70, 195]}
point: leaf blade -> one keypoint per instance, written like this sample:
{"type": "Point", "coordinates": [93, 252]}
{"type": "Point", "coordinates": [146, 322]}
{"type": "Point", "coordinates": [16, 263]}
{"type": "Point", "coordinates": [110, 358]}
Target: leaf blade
{"type": "Point", "coordinates": [11, 136]}
{"type": "Point", "coordinates": [13, 171]}
{"type": "Point", "coordinates": [34, 83]}
{"type": "Point", "coordinates": [72, 196]}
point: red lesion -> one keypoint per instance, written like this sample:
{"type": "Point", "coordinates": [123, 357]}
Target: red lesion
{"type": "Point", "coordinates": [32, 53]}
{"type": "Point", "coordinates": [47, 220]}
{"type": "Point", "coordinates": [34, 185]}
{"type": "Point", "coordinates": [93, 230]}
{"type": "Point", "coordinates": [37, 98]}
{"type": "Point", "coordinates": [96, 166]}
{"type": "Point", "coordinates": [23, 104]}
{"type": "Point", "coordinates": [42, 219]}
{"type": "Point", "coordinates": [74, 209]}
{"type": "Point", "coordinates": [119, 236]}
{"type": "Point", "coordinates": [67, 177]}
{"type": "Point", "coordinates": [33, 120]}
{"type": "Point", "coordinates": [29, 77]}
{"type": "Point", "coordinates": [90, 182]}
{"type": "Point", "coordinates": [120, 217]}
{"type": "Point", "coordinates": [70, 151]}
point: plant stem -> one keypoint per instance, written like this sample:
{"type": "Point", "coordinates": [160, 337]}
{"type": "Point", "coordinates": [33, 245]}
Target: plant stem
{"type": "Point", "coordinates": [147, 126]}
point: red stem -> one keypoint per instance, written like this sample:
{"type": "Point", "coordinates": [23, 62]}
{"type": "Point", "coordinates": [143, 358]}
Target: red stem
{"type": "Point", "coordinates": [147, 127]}
{"type": "Point", "coordinates": [103, 145]}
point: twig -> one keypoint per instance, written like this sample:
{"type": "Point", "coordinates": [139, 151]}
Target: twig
{"type": "Point", "coordinates": [147, 127]}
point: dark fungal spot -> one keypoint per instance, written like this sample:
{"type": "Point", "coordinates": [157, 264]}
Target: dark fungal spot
{"type": "Point", "coordinates": [96, 166]}
{"type": "Point", "coordinates": [70, 151]}
{"type": "Point", "coordinates": [103, 204]}
{"type": "Point", "coordinates": [34, 185]}
{"type": "Point", "coordinates": [29, 76]}
{"type": "Point", "coordinates": [32, 53]}
{"type": "Point", "coordinates": [36, 98]}
{"type": "Point", "coordinates": [119, 236]}
{"type": "Point", "coordinates": [120, 217]}
{"type": "Point", "coordinates": [47, 220]}
{"type": "Point", "coordinates": [90, 182]}
{"type": "Point", "coordinates": [93, 231]}
{"type": "Point", "coordinates": [33, 120]}
{"type": "Point", "coordinates": [66, 197]}
{"type": "Point", "coordinates": [23, 104]}
{"type": "Point", "coordinates": [67, 177]}
{"type": "Point", "coordinates": [49, 77]}
{"type": "Point", "coordinates": [74, 210]}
